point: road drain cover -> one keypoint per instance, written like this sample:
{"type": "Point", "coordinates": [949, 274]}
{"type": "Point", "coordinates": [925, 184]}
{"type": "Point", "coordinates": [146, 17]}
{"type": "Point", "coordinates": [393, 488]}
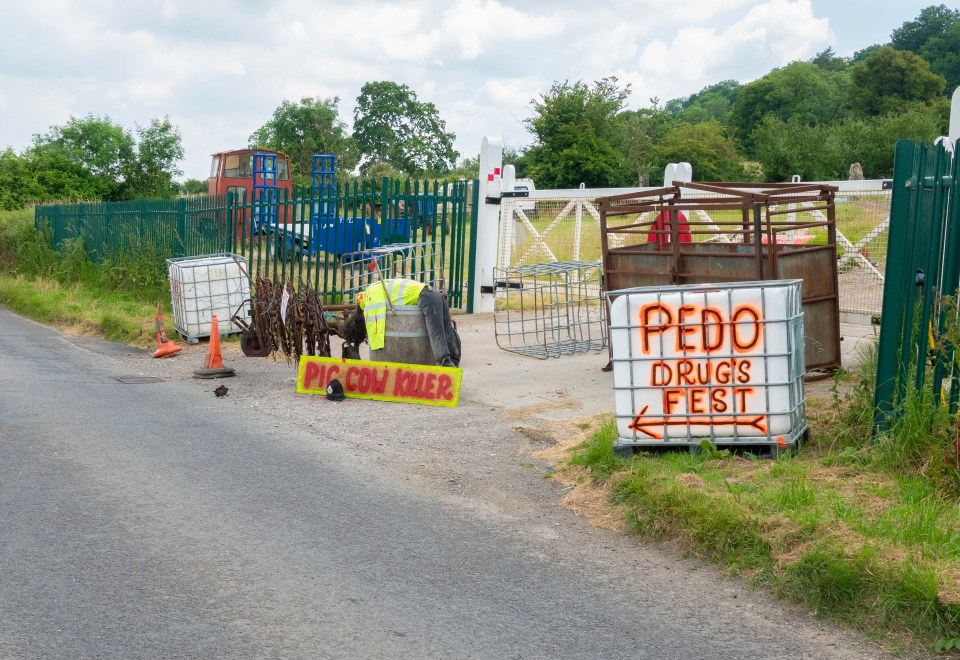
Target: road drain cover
{"type": "Point", "coordinates": [138, 380]}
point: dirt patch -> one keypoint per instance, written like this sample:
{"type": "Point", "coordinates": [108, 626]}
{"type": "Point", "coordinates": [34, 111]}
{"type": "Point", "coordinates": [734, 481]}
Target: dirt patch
{"type": "Point", "coordinates": [592, 500]}
{"type": "Point", "coordinates": [528, 411]}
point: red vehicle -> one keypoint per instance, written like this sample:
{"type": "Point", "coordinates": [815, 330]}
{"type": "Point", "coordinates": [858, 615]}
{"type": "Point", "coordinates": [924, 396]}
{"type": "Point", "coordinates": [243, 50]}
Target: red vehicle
{"type": "Point", "coordinates": [232, 171]}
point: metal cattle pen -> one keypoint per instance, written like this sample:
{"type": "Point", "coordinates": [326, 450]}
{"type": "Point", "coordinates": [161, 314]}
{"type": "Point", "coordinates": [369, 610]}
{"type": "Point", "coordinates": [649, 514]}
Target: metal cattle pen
{"type": "Point", "coordinates": [651, 239]}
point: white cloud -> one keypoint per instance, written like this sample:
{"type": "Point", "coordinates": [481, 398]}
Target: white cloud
{"type": "Point", "coordinates": [220, 68]}
{"type": "Point", "coordinates": [771, 34]}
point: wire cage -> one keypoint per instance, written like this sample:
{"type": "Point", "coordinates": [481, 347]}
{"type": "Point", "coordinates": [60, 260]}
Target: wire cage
{"type": "Point", "coordinates": [207, 286]}
{"type": "Point", "coordinates": [700, 233]}
{"type": "Point", "coordinates": [415, 261]}
{"type": "Point", "coordinates": [551, 309]}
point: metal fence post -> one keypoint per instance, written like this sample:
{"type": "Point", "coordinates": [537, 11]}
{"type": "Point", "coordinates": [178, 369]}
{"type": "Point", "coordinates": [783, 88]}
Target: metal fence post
{"type": "Point", "coordinates": [891, 327]}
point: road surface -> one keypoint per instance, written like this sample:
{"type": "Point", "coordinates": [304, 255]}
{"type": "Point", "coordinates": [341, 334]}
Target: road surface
{"type": "Point", "coordinates": [143, 520]}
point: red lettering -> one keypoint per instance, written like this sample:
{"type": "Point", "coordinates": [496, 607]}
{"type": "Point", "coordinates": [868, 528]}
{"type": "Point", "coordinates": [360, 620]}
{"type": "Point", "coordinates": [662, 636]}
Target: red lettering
{"type": "Point", "coordinates": [428, 392]}
{"type": "Point", "coordinates": [723, 372]}
{"type": "Point", "coordinates": [671, 397]}
{"type": "Point", "coordinates": [443, 387]}
{"type": "Point", "coordinates": [744, 370]}
{"type": "Point", "coordinates": [311, 371]}
{"type": "Point", "coordinates": [418, 385]}
{"type": "Point", "coordinates": [378, 386]}
{"type": "Point", "coordinates": [351, 384]}
{"type": "Point", "coordinates": [683, 329]}
{"type": "Point", "coordinates": [646, 322]}
{"type": "Point", "coordinates": [737, 327]}
{"type": "Point", "coordinates": [684, 369]}
{"type": "Point", "coordinates": [716, 400]}
{"type": "Point", "coordinates": [365, 380]}
{"type": "Point", "coordinates": [399, 382]}
{"type": "Point", "coordinates": [704, 370]}
{"type": "Point", "coordinates": [660, 374]}
{"type": "Point", "coordinates": [696, 396]}
{"type": "Point", "coordinates": [740, 396]}
{"type": "Point", "coordinates": [717, 323]}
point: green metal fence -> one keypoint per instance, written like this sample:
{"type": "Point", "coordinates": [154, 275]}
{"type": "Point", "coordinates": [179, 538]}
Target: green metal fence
{"type": "Point", "coordinates": [306, 236]}
{"type": "Point", "coordinates": [923, 265]}
{"type": "Point", "coordinates": [109, 230]}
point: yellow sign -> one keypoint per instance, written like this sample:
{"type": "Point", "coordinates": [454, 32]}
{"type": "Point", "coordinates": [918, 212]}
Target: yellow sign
{"type": "Point", "coordinates": [384, 381]}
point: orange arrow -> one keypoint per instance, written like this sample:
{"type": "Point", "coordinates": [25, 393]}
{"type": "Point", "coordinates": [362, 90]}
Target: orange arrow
{"type": "Point", "coordinates": [639, 424]}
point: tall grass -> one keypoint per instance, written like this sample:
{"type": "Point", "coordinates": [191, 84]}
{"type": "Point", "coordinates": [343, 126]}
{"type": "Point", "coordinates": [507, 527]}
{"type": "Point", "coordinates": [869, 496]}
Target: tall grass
{"type": "Point", "coordinates": [860, 529]}
{"type": "Point", "coordinates": [116, 299]}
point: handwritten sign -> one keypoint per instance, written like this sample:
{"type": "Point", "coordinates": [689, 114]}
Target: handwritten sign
{"type": "Point", "coordinates": [383, 381]}
{"type": "Point", "coordinates": [699, 362]}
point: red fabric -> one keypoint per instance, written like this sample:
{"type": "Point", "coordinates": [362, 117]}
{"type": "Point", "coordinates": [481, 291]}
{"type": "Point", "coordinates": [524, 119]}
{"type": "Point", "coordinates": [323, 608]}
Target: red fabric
{"type": "Point", "coordinates": [662, 223]}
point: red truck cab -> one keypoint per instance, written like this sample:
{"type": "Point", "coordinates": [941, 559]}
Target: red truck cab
{"type": "Point", "coordinates": [232, 171]}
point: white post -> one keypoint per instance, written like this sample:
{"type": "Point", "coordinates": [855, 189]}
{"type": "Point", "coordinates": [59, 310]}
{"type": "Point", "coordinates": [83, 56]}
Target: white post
{"type": "Point", "coordinates": [954, 131]}
{"type": "Point", "coordinates": [488, 220]}
{"type": "Point", "coordinates": [505, 245]}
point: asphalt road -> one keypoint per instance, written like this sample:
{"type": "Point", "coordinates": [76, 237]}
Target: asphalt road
{"type": "Point", "coordinates": [139, 521]}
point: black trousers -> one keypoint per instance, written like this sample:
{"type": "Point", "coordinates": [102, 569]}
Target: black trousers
{"type": "Point", "coordinates": [444, 339]}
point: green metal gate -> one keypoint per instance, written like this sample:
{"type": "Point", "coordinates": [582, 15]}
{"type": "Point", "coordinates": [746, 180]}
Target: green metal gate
{"type": "Point", "coordinates": [923, 265]}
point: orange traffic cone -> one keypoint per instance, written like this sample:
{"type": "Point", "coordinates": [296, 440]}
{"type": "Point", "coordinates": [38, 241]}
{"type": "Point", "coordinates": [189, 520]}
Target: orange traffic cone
{"type": "Point", "coordinates": [214, 365]}
{"type": "Point", "coordinates": [165, 347]}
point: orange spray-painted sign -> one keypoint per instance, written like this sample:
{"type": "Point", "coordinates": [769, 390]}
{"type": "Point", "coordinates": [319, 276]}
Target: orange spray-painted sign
{"type": "Point", "coordinates": [702, 361]}
{"type": "Point", "coordinates": [696, 391]}
{"type": "Point", "coordinates": [383, 381]}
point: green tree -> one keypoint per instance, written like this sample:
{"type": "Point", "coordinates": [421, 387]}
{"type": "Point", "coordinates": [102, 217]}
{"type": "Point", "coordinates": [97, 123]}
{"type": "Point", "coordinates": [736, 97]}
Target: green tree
{"type": "Point", "coordinates": [871, 141]}
{"type": "Point", "coordinates": [830, 61]}
{"type": "Point", "coordinates": [786, 148]}
{"type": "Point", "coordinates": [935, 36]}
{"type": "Point", "coordinates": [824, 153]}
{"type": "Point", "coordinates": [706, 146]}
{"type": "Point", "coordinates": [18, 186]}
{"type": "Point", "coordinates": [159, 151]}
{"type": "Point", "coordinates": [300, 130]}
{"type": "Point", "coordinates": [575, 131]}
{"type": "Point", "coordinates": [800, 92]}
{"type": "Point", "coordinates": [892, 80]}
{"type": "Point", "coordinates": [712, 102]}
{"type": "Point", "coordinates": [194, 187]}
{"type": "Point", "coordinates": [637, 134]}
{"type": "Point", "coordinates": [392, 126]}
{"type": "Point", "coordinates": [933, 21]}
{"type": "Point", "coordinates": [94, 153]}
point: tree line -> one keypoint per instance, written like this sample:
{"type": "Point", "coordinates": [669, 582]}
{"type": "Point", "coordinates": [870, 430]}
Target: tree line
{"type": "Point", "coordinates": [810, 118]}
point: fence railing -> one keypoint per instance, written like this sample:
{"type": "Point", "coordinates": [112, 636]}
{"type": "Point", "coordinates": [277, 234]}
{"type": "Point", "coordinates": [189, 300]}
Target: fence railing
{"type": "Point", "coordinates": [306, 236]}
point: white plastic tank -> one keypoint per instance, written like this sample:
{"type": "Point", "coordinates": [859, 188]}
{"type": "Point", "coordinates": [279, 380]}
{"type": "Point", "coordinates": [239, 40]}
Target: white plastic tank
{"type": "Point", "coordinates": [722, 363]}
{"type": "Point", "coordinates": [206, 285]}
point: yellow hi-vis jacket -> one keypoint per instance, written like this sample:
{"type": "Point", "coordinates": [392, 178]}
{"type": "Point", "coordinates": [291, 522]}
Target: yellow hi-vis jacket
{"type": "Point", "coordinates": [374, 305]}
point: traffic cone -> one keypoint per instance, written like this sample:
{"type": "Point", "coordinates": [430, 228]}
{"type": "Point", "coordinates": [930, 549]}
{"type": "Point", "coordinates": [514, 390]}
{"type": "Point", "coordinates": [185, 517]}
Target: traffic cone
{"type": "Point", "coordinates": [214, 365]}
{"type": "Point", "coordinates": [165, 347]}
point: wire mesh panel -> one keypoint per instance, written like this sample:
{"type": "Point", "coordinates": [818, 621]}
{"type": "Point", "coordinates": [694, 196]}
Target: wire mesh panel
{"type": "Point", "coordinates": [863, 223]}
{"type": "Point", "coordinates": [415, 261]}
{"type": "Point", "coordinates": [706, 362]}
{"type": "Point", "coordinates": [552, 309]}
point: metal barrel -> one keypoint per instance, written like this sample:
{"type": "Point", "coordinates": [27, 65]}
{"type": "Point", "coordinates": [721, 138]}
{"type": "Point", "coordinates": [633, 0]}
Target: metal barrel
{"type": "Point", "coordinates": [406, 339]}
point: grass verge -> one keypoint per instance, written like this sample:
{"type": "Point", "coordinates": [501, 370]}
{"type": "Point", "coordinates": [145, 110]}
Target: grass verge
{"type": "Point", "coordinates": [863, 533]}
{"type": "Point", "coordinates": [116, 300]}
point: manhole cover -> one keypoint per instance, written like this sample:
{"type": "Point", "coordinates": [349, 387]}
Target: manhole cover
{"type": "Point", "coordinates": [138, 380]}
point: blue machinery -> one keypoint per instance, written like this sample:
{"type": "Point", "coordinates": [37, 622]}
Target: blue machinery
{"type": "Point", "coordinates": [264, 189]}
{"type": "Point", "coordinates": [327, 230]}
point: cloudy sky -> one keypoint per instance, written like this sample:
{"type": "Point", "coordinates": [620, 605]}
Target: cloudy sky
{"type": "Point", "coordinates": [219, 68]}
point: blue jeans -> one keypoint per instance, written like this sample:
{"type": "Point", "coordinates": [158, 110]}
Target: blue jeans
{"type": "Point", "coordinates": [444, 339]}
